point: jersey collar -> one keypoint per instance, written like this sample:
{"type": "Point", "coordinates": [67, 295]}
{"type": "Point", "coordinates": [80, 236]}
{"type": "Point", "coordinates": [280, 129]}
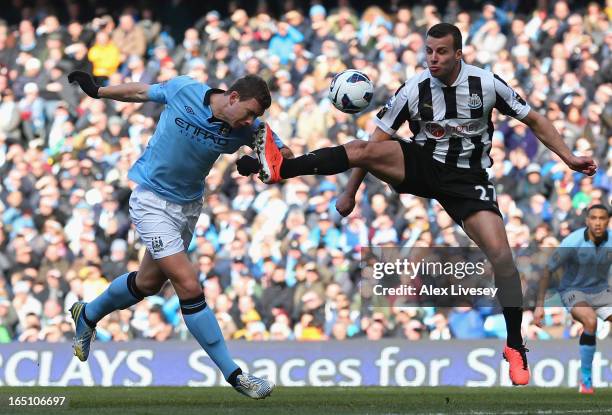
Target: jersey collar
{"type": "Point", "coordinates": [211, 91]}
{"type": "Point", "coordinates": [207, 96]}
{"type": "Point", "coordinates": [225, 127]}
{"type": "Point", "coordinates": [586, 237]}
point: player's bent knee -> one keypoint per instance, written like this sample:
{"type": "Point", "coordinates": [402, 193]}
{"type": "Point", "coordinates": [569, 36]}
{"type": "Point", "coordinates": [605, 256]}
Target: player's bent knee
{"type": "Point", "coordinates": [150, 290]}
{"type": "Point", "coordinates": [502, 259]}
{"type": "Point", "coordinates": [187, 289]}
{"type": "Point", "coordinates": [357, 152]}
{"type": "Point", "coordinates": [590, 324]}
{"type": "Point", "coordinates": [150, 284]}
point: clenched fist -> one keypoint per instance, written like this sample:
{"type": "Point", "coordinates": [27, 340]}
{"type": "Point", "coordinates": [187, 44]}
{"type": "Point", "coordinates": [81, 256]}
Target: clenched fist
{"type": "Point", "coordinates": [345, 204]}
{"type": "Point", "coordinates": [247, 165]}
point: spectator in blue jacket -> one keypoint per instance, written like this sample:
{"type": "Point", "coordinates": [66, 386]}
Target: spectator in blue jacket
{"type": "Point", "coordinates": [283, 41]}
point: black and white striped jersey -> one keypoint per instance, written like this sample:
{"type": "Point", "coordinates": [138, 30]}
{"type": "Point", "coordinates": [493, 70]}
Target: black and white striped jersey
{"type": "Point", "coordinates": [452, 122]}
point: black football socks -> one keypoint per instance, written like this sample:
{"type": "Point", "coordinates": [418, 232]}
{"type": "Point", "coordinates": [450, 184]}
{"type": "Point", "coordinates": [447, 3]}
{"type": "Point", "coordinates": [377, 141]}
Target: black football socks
{"type": "Point", "coordinates": [514, 318]}
{"type": "Point", "coordinates": [510, 296]}
{"type": "Point", "coordinates": [324, 161]}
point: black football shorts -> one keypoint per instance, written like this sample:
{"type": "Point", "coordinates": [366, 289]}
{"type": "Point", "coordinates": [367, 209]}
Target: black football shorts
{"type": "Point", "coordinates": [460, 191]}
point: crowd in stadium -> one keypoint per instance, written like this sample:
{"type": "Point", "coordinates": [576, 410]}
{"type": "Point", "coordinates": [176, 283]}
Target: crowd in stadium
{"type": "Point", "coordinates": [276, 262]}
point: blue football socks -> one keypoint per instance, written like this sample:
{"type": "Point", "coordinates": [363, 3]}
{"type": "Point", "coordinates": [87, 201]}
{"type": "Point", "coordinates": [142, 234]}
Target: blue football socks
{"type": "Point", "coordinates": [121, 293]}
{"type": "Point", "coordinates": [203, 325]}
{"type": "Point", "coordinates": [587, 351]}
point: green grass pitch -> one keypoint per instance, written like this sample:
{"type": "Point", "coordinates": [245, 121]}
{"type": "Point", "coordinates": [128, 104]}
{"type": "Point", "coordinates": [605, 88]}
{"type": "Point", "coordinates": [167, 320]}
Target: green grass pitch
{"type": "Point", "coordinates": [313, 401]}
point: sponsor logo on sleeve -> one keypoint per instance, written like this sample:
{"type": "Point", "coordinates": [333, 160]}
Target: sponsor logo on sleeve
{"type": "Point", "coordinates": [387, 107]}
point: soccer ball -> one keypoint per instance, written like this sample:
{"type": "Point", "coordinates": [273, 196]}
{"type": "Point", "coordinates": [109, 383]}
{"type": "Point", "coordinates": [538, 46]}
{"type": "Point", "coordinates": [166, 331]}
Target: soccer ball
{"type": "Point", "coordinates": [351, 91]}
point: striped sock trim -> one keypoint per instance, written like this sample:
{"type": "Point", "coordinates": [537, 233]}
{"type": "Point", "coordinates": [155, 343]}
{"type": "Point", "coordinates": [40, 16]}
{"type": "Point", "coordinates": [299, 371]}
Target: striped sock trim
{"type": "Point", "coordinates": [233, 377]}
{"type": "Point", "coordinates": [193, 305]}
{"type": "Point", "coordinates": [587, 339]}
{"type": "Point", "coordinates": [133, 289]}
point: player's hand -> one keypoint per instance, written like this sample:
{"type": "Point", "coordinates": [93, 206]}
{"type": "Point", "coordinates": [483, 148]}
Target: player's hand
{"type": "Point", "coordinates": [247, 165]}
{"type": "Point", "coordinates": [85, 81]}
{"type": "Point", "coordinates": [345, 204]}
{"type": "Point", "coordinates": [584, 165]}
{"type": "Point", "coordinates": [538, 316]}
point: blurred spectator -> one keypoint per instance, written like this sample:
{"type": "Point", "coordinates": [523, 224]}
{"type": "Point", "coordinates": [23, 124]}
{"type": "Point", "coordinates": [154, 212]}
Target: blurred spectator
{"type": "Point", "coordinates": [129, 37]}
{"type": "Point", "coordinates": [465, 323]}
{"type": "Point", "coordinates": [105, 56]}
{"type": "Point", "coordinates": [277, 296]}
{"type": "Point", "coordinates": [31, 109]}
{"type": "Point", "coordinates": [116, 262]}
{"type": "Point", "coordinates": [375, 330]}
{"type": "Point", "coordinates": [440, 330]}
{"type": "Point", "coordinates": [489, 41]}
{"type": "Point", "coordinates": [307, 329]}
{"type": "Point", "coordinates": [157, 328]}
{"type": "Point", "coordinates": [8, 321]}
{"type": "Point", "coordinates": [283, 41]}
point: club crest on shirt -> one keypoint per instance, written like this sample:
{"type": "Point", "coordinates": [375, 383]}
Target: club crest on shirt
{"type": "Point", "coordinates": [474, 102]}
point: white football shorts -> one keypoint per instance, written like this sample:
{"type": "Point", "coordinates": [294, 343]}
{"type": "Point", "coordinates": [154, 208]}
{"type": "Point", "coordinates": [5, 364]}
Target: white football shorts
{"type": "Point", "coordinates": [166, 228]}
{"type": "Point", "coordinates": [600, 301]}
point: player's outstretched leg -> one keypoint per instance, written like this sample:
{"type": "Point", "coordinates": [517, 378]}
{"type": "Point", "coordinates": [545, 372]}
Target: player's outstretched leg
{"type": "Point", "coordinates": [121, 293]}
{"type": "Point", "coordinates": [332, 160]}
{"type": "Point", "coordinates": [203, 325]}
{"type": "Point", "coordinates": [384, 159]}
{"type": "Point", "coordinates": [487, 230]}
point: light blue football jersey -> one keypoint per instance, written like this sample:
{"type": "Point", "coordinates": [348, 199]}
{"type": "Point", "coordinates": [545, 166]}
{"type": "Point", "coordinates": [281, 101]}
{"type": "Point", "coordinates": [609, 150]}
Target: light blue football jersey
{"type": "Point", "coordinates": [586, 267]}
{"type": "Point", "coordinates": [187, 141]}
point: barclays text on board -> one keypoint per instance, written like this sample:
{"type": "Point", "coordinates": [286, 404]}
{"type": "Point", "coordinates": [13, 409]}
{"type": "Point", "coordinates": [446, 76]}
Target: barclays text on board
{"type": "Point", "coordinates": [351, 363]}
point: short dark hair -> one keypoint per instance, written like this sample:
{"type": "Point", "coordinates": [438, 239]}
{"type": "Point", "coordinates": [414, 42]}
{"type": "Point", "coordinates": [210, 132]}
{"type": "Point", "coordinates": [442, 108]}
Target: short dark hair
{"type": "Point", "coordinates": [252, 86]}
{"type": "Point", "coordinates": [443, 29]}
{"type": "Point", "coordinates": [598, 206]}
